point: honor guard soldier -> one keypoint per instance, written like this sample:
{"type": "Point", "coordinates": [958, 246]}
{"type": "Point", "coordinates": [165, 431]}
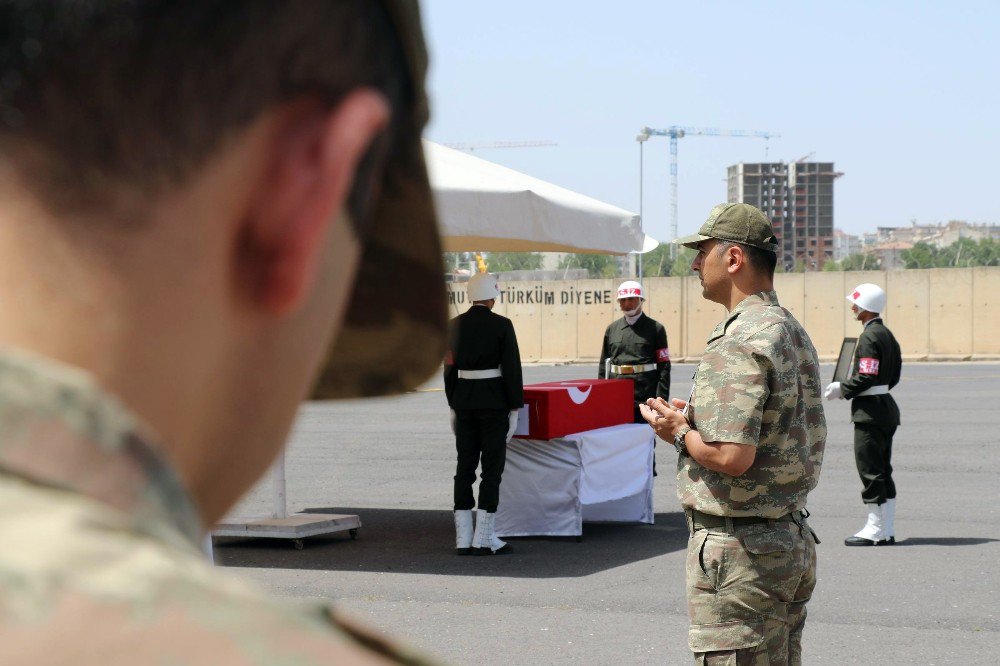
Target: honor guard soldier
{"type": "Point", "coordinates": [200, 201]}
{"type": "Point", "coordinates": [482, 380]}
{"type": "Point", "coordinates": [750, 444]}
{"type": "Point", "coordinates": [875, 369]}
{"type": "Point", "coordinates": [635, 347]}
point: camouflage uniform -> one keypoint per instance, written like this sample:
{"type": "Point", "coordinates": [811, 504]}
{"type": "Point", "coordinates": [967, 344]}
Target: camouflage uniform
{"type": "Point", "coordinates": [748, 579]}
{"type": "Point", "coordinates": [100, 560]}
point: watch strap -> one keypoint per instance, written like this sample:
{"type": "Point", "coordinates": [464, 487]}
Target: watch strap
{"type": "Point", "coordinates": [679, 443]}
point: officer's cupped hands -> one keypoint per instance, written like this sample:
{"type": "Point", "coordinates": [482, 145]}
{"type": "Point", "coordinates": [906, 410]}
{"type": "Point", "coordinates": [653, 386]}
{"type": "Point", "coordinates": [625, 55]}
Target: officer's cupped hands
{"type": "Point", "coordinates": [665, 418]}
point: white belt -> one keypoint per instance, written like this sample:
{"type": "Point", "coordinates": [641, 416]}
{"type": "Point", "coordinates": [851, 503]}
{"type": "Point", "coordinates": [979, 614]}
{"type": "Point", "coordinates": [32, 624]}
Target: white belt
{"type": "Point", "coordinates": [480, 374]}
{"type": "Point", "coordinates": [881, 389]}
{"type": "Point", "coordinates": [632, 369]}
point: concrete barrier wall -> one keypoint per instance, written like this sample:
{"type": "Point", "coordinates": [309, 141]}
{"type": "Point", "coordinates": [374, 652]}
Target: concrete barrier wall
{"type": "Point", "coordinates": [936, 314]}
{"type": "Point", "coordinates": [985, 311]}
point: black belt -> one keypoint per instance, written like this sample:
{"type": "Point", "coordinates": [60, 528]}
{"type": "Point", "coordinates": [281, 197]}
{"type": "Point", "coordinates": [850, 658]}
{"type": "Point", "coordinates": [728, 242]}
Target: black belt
{"type": "Point", "coordinates": [705, 521]}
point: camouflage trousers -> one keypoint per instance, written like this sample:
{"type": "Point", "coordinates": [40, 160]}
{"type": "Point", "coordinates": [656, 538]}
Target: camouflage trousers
{"type": "Point", "coordinates": [747, 593]}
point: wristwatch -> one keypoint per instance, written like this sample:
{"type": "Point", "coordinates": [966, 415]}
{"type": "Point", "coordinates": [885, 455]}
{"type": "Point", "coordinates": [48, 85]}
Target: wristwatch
{"type": "Point", "coordinates": [679, 439]}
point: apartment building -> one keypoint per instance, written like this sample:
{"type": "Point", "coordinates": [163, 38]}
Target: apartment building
{"type": "Point", "coordinates": [798, 199]}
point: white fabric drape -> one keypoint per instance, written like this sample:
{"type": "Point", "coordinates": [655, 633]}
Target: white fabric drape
{"type": "Point", "coordinates": [551, 486]}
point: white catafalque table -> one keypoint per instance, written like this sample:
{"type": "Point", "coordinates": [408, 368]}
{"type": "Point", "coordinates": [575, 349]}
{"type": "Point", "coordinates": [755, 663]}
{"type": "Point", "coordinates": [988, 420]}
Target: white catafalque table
{"type": "Point", "coordinates": [550, 487]}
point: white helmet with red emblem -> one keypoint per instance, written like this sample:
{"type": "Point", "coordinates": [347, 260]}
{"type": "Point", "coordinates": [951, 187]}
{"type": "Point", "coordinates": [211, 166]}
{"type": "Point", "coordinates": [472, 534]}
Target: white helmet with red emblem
{"type": "Point", "coordinates": [630, 289]}
{"type": "Point", "coordinates": [870, 297]}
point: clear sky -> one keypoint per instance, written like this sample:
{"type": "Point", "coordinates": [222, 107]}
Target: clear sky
{"type": "Point", "coordinates": [904, 98]}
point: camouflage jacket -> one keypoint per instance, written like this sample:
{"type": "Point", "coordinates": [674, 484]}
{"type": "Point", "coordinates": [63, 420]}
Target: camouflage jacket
{"type": "Point", "coordinates": [758, 384]}
{"type": "Point", "coordinates": [100, 560]}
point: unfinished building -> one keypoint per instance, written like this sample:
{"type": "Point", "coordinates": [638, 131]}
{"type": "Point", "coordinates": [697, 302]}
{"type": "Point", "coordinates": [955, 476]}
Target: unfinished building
{"type": "Point", "coordinates": [798, 199]}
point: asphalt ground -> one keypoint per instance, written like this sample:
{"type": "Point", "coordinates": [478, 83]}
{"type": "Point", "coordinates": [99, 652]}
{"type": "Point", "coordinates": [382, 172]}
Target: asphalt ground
{"type": "Point", "coordinates": [617, 597]}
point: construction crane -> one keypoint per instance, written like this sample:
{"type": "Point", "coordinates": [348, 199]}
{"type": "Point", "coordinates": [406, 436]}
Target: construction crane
{"type": "Point", "coordinates": [472, 147]}
{"type": "Point", "coordinates": [677, 132]}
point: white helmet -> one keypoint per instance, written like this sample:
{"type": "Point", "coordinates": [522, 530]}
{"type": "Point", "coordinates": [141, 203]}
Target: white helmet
{"type": "Point", "coordinates": [630, 289]}
{"type": "Point", "coordinates": [868, 297]}
{"type": "Point", "coordinates": [483, 287]}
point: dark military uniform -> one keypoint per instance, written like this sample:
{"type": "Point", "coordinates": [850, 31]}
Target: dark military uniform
{"type": "Point", "coordinates": [877, 362]}
{"type": "Point", "coordinates": [642, 343]}
{"type": "Point", "coordinates": [482, 340]}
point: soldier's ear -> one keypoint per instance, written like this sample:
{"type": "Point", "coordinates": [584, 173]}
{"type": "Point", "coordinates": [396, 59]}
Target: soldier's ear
{"type": "Point", "coordinates": [309, 168]}
{"type": "Point", "coordinates": [735, 258]}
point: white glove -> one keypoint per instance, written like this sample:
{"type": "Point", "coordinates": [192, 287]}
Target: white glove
{"type": "Point", "coordinates": [512, 424]}
{"type": "Point", "coordinates": [453, 421]}
{"type": "Point", "coordinates": [833, 391]}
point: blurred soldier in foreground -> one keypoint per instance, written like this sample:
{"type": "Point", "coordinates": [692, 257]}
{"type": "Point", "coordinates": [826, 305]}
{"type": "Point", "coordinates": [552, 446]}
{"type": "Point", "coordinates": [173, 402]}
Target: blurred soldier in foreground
{"type": "Point", "coordinates": [635, 347]}
{"type": "Point", "coordinates": [198, 200]}
{"type": "Point", "coordinates": [482, 380]}
{"type": "Point", "coordinates": [750, 446]}
{"type": "Point", "coordinates": [874, 370]}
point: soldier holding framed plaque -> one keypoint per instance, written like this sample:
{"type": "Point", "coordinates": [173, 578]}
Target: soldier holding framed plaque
{"type": "Point", "coordinates": [871, 370]}
{"type": "Point", "coordinates": [845, 359]}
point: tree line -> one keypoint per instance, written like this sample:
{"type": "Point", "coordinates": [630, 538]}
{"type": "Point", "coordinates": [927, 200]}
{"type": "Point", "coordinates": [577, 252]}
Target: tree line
{"type": "Point", "coordinates": [654, 264]}
{"type": "Point", "coordinates": [963, 253]}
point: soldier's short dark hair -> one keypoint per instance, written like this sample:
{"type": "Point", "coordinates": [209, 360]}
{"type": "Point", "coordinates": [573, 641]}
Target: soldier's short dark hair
{"type": "Point", "coordinates": [763, 261]}
{"type": "Point", "coordinates": [104, 102]}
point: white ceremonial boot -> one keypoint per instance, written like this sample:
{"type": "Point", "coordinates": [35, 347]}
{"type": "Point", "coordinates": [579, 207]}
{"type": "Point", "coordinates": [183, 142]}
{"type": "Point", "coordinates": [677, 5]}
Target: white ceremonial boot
{"type": "Point", "coordinates": [463, 532]}
{"type": "Point", "coordinates": [873, 533]}
{"type": "Point", "coordinates": [889, 519]}
{"type": "Point", "coordinates": [486, 541]}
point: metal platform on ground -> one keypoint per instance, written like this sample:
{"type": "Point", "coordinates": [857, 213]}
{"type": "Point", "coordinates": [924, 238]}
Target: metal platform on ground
{"type": "Point", "coordinates": [295, 527]}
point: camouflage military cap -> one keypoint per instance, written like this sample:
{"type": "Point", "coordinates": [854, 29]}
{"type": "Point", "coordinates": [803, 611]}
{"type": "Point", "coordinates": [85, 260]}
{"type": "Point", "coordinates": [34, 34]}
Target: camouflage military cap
{"type": "Point", "coordinates": [736, 222]}
{"type": "Point", "coordinates": [395, 330]}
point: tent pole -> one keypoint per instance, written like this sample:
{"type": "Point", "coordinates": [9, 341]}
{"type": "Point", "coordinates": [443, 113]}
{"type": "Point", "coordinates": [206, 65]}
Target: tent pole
{"type": "Point", "coordinates": [280, 505]}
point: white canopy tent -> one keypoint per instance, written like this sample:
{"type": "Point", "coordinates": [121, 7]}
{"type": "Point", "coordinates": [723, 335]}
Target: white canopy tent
{"type": "Point", "coordinates": [488, 207]}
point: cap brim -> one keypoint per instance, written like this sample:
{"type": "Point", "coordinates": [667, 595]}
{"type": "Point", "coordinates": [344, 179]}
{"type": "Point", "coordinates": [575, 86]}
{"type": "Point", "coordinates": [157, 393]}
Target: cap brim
{"type": "Point", "coordinates": [691, 241]}
{"type": "Point", "coordinates": [394, 335]}
{"type": "Point", "coordinates": [395, 331]}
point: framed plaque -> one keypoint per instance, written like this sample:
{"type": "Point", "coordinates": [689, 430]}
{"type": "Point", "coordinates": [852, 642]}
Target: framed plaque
{"type": "Point", "coordinates": [842, 370]}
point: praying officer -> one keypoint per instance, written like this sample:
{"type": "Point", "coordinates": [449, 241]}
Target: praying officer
{"type": "Point", "coordinates": [750, 444]}
{"type": "Point", "coordinates": [875, 369]}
